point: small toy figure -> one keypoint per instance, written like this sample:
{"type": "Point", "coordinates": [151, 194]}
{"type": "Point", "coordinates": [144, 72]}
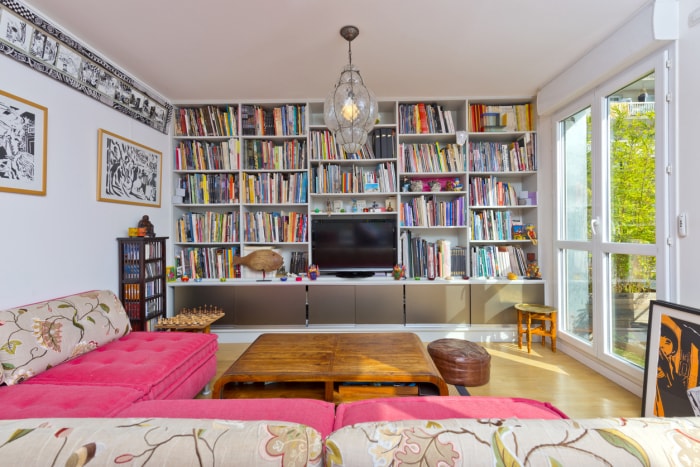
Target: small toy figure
{"type": "Point", "coordinates": [456, 185]}
{"type": "Point", "coordinates": [397, 272]}
{"type": "Point", "coordinates": [531, 234]}
{"type": "Point", "coordinates": [313, 272]}
{"type": "Point", "coordinates": [435, 186]}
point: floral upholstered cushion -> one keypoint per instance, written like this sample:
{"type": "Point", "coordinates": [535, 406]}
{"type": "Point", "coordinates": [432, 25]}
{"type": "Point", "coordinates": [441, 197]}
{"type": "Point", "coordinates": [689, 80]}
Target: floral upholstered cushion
{"type": "Point", "coordinates": [158, 441]}
{"type": "Point", "coordinates": [534, 442]}
{"type": "Point", "coordinates": [34, 338]}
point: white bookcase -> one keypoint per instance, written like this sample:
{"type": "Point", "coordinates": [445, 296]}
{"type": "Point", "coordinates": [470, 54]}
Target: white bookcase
{"type": "Point", "coordinates": [254, 175]}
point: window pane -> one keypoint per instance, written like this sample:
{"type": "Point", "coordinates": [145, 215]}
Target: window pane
{"type": "Point", "coordinates": [576, 138]}
{"type": "Point", "coordinates": [632, 161]}
{"type": "Point", "coordinates": [577, 280]}
{"type": "Point", "coordinates": [633, 285]}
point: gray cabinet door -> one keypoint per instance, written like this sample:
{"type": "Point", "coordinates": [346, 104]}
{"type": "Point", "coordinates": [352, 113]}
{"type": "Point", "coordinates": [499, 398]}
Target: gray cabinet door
{"type": "Point", "coordinates": [270, 305]}
{"type": "Point", "coordinates": [203, 295]}
{"type": "Point", "coordinates": [437, 304]}
{"type": "Point", "coordinates": [379, 304]}
{"type": "Point", "coordinates": [493, 303]}
{"type": "Point", "coordinates": [331, 304]}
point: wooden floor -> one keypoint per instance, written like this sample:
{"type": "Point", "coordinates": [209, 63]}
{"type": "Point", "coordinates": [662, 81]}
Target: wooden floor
{"type": "Point", "coordinates": [542, 375]}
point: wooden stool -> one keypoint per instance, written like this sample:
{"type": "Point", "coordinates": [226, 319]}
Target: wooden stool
{"type": "Point", "coordinates": [542, 313]}
{"type": "Point", "coordinates": [461, 363]}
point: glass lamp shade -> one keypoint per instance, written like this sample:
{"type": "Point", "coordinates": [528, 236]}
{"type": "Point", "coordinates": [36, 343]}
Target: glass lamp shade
{"type": "Point", "coordinates": [350, 110]}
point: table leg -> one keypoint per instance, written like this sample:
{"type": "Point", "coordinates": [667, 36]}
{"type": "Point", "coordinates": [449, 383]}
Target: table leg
{"type": "Point", "coordinates": [329, 391]}
{"type": "Point", "coordinates": [529, 333]}
{"type": "Point", "coordinates": [554, 331]}
{"type": "Point", "coordinates": [520, 329]}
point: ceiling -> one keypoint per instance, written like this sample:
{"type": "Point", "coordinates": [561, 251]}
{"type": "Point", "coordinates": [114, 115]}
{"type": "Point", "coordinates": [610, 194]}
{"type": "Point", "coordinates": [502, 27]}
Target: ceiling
{"type": "Point", "coordinates": [221, 50]}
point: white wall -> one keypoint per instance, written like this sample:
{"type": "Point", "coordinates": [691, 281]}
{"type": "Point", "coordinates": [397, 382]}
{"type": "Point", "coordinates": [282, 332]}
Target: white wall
{"type": "Point", "coordinates": [64, 242]}
{"type": "Point", "coordinates": [688, 169]}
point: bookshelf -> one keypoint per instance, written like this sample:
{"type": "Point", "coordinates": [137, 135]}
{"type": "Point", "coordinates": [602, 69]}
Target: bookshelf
{"type": "Point", "coordinates": [253, 175]}
{"type": "Point", "coordinates": [502, 188]}
{"type": "Point", "coordinates": [432, 200]}
{"type": "Point", "coordinates": [142, 280]}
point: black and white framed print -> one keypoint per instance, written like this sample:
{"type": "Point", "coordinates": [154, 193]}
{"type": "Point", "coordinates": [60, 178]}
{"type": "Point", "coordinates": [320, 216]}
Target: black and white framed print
{"type": "Point", "coordinates": [128, 172]}
{"type": "Point", "coordinates": [23, 130]}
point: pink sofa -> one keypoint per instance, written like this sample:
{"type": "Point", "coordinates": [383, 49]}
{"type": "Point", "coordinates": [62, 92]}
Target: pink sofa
{"type": "Point", "coordinates": [71, 367]}
{"type": "Point", "coordinates": [76, 356]}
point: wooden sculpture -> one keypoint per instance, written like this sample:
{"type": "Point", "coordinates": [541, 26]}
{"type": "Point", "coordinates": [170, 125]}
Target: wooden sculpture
{"type": "Point", "coordinates": [261, 260]}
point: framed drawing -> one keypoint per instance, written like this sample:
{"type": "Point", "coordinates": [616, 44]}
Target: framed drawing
{"type": "Point", "coordinates": [23, 130]}
{"type": "Point", "coordinates": [127, 172]}
{"type": "Point", "coordinates": [672, 370]}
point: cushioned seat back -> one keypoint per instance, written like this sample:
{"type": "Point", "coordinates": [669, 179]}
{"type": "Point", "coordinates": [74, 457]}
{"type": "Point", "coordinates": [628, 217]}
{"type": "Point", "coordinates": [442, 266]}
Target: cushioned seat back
{"type": "Point", "coordinates": [36, 337]}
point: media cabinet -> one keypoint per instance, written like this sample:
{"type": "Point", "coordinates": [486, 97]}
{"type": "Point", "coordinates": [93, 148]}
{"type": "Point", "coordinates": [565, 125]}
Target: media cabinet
{"type": "Point", "coordinates": [440, 305]}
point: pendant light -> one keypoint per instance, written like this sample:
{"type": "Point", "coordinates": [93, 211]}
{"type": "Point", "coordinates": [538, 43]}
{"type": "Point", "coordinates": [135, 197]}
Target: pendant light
{"type": "Point", "coordinates": [350, 110]}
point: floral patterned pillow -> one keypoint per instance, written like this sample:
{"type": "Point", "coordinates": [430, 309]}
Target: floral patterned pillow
{"type": "Point", "coordinates": [36, 337]}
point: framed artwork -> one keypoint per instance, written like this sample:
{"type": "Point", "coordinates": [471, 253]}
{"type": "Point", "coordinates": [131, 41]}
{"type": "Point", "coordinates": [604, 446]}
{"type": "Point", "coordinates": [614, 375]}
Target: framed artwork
{"type": "Point", "coordinates": [672, 369]}
{"type": "Point", "coordinates": [127, 172]}
{"type": "Point", "coordinates": [23, 130]}
{"type": "Point", "coordinates": [34, 41]}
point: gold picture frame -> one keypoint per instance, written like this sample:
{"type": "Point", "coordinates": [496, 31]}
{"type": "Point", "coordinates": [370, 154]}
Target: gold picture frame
{"type": "Point", "coordinates": [128, 172]}
{"type": "Point", "coordinates": [23, 145]}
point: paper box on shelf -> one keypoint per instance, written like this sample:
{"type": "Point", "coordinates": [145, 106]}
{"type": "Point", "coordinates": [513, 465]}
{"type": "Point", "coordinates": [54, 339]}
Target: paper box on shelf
{"type": "Point", "coordinates": [527, 198]}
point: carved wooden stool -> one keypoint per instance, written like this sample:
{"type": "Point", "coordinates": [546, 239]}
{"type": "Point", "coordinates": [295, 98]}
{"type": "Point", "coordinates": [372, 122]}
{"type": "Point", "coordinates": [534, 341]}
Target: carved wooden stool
{"type": "Point", "coordinates": [461, 363]}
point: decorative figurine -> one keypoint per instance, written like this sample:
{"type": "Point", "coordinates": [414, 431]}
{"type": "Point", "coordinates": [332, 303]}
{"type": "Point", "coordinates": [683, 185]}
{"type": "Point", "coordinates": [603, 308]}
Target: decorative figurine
{"type": "Point", "coordinates": [455, 185]}
{"type": "Point", "coordinates": [533, 270]}
{"type": "Point", "coordinates": [416, 185]}
{"type": "Point", "coordinates": [531, 234]}
{"type": "Point", "coordinates": [260, 260]}
{"type": "Point", "coordinates": [147, 227]}
{"type": "Point", "coordinates": [435, 186]}
{"type": "Point", "coordinates": [313, 272]}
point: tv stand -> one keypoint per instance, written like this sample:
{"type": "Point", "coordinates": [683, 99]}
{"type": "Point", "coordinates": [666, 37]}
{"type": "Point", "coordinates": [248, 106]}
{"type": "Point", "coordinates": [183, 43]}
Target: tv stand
{"type": "Point", "coordinates": [354, 274]}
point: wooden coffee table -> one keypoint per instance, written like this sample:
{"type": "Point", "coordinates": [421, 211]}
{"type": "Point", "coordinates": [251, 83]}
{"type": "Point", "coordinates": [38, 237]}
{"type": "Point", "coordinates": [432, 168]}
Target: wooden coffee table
{"type": "Point", "coordinates": [332, 367]}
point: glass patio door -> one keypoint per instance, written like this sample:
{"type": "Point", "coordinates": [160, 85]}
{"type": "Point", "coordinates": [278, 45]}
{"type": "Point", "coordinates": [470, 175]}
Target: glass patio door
{"type": "Point", "coordinates": [611, 226]}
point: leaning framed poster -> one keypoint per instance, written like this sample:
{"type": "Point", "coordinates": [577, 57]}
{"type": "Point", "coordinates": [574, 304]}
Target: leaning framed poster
{"type": "Point", "coordinates": [672, 370]}
{"type": "Point", "coordinates": [23, 130]}
{"type": "Point", "coordinates": [127, 172]}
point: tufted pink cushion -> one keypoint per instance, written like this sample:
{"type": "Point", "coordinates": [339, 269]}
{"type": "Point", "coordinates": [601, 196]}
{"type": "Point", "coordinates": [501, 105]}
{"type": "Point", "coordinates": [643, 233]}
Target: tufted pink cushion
{"type": "Point", "coordinates": [42, 335]}
{"type": "Point", "coordinates": [440, 408]}
{"type": "Point", "coordinates": [163, 365]}
{"type": "Point", "coordinates": [36, 401]}
{"type": "Point", "coordinates": [317, 414]}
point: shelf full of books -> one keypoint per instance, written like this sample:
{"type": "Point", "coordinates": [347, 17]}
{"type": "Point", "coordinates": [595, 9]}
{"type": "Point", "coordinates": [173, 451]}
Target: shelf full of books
{"type": "Point", "coordinates": [142, 279]}
{"type": "Point", "coordinates": [459, 176]}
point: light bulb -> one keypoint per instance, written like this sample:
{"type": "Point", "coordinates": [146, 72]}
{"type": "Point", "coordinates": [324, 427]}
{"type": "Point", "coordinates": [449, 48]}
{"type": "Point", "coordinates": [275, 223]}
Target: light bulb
{"type": "Point", "coordinates": [349, 110]}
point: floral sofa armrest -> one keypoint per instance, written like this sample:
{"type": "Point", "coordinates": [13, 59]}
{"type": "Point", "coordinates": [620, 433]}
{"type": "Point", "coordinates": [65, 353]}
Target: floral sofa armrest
{"type": "Point", "coordinates": [632, 441]}
{"type": "Point", "coordinates": [157, 441]}
{"type": "Point", "coordinates": [36, 337]}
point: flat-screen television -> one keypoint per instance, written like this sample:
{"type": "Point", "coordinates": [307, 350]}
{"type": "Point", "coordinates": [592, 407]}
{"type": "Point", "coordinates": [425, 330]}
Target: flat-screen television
{"type": "Point", "coordinates": [354, 247]}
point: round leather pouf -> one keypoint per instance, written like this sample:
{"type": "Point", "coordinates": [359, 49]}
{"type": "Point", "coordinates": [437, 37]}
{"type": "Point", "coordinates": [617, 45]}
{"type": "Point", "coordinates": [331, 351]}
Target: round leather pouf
{"type": "Point", "coordinates": [461, 362]}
